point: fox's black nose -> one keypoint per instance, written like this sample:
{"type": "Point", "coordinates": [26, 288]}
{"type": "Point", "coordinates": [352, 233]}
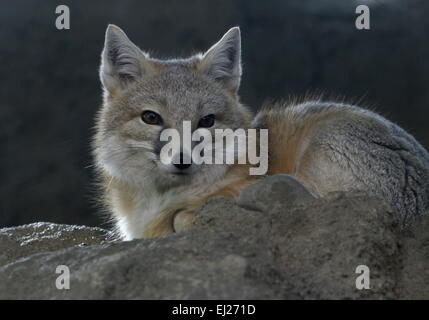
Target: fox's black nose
{"type": "Point", "coordinates": [181, 165]}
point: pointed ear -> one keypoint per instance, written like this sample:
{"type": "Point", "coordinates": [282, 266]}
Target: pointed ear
{"type": "Point", "coordinates": [223, 60]}
{"type": "Point", "coordinates": [121, 60]}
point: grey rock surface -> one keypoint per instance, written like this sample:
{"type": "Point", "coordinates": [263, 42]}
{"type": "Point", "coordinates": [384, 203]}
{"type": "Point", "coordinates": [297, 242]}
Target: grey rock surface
{"type": "Point", "coordinates": [23, 241]}
{"type": "Point", "coordinates": [274, 191]}
{"type": "Point", "coordinates": [300, 248]}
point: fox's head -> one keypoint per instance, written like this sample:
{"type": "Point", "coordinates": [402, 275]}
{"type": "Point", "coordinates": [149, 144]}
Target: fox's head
{"type": "Point", "coordinates": [143, 96]}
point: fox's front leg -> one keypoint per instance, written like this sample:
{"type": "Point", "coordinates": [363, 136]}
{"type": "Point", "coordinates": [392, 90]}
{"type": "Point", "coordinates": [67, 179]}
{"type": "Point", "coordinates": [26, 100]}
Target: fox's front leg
{"type": "Point", "coordinates": [183, 220]}
{"type": "Point", "coordinates": [174, 219]}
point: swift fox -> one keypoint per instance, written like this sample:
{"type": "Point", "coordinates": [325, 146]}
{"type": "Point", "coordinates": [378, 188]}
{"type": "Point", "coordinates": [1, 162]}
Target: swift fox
{"type": "Point", "coordinates": [326, 146]}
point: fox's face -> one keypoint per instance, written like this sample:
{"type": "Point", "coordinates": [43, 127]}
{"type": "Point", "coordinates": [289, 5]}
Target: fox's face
{"type": "Point", "coordinates": [144, 96]}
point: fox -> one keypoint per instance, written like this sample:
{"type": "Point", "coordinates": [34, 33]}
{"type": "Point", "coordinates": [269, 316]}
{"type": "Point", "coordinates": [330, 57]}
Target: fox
{"type": "Point", "coordinates": [326, 146]}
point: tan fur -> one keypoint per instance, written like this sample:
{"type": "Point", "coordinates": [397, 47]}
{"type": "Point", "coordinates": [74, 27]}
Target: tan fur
{"type": "Point", "coordinates": [290, 134]}
{"type": "Point", "coordinates": [165, 222]}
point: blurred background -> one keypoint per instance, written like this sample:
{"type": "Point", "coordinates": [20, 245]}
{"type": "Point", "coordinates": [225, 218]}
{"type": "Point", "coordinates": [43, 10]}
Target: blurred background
{"type": "Point", "coordinates": [50, 91]}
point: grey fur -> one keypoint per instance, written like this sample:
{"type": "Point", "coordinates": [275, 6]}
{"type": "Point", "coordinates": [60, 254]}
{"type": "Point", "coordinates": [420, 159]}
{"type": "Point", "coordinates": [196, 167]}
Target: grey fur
{"type": "Point", "coordinates": [121, 60]}
{"type": "Point", "coordinates": [223, 60]}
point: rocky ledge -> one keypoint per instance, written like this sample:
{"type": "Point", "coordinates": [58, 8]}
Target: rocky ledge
{"type": "Point", "coordinates": [275, 242]}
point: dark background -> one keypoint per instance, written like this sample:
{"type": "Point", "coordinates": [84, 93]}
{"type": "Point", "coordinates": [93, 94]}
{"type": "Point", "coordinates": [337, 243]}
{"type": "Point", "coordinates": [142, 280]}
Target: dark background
{"type": "Point", "coordinates": [49, 87]}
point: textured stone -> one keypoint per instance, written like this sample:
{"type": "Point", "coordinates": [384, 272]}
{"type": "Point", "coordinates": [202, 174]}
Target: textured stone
{"type": "Point", "coordinates": [274, 191]}
{"type": "Point", "coordinates": [301, 249]}
{"type": "Point", "coordinates": [22, 241]}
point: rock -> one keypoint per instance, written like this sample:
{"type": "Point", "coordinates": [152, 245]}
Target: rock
{"type": "Point", "coordinates": [318, 246]}
{"type": "Point", "coordinates": [300, 248]}
{"type": "Point", "coordinates": [414, 282]}
{"type": "Point", "coordinates": [270, 193]}
{"type": "Point", "coordinates": [187, 265]}
{"type": "Point", "coordinates": [322, 245]}
{"type": "Point", "coordinates": [18, 242]}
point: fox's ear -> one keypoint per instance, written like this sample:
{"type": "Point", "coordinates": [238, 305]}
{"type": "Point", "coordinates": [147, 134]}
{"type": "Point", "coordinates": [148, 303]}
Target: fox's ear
{"type": "Point", "coordinates": [223, 60]}
{"type": "Point", "coordinates": [121, 60]}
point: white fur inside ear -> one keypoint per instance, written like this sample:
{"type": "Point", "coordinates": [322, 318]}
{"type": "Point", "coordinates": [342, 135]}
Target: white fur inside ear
{"type": "Point", "coordinates": [223, 60]}
{"type": "Point", "coordinates": [121, 60]}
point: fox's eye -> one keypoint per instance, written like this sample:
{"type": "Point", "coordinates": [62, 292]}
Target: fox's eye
{"type": "Point", "coordinates": [207, 121]}
{"type": "Point", "coordinates": [151, 117]}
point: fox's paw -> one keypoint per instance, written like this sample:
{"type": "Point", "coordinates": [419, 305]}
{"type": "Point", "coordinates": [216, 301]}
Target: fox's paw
{"type": "Point", "coordinates": [183, 220]}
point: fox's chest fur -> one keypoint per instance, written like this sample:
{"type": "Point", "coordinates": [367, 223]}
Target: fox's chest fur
{"type": "Point", "coordinates": [136, 209]}
{"type": "Point", "coordinates": [145, 212]}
